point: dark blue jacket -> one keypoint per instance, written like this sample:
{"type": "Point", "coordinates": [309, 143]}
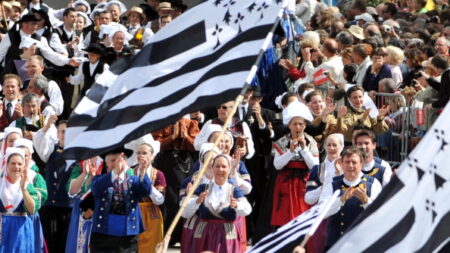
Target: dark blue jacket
{"type": "Point", "coordinates": [371, 81]}
{"type": "Point", "coordinates": [339, 222]}
{"type": "Point", "coordinates": [118, 225]}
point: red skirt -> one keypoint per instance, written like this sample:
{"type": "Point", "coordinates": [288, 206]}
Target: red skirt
{"type": "Point", "coordinates": [289, 195]}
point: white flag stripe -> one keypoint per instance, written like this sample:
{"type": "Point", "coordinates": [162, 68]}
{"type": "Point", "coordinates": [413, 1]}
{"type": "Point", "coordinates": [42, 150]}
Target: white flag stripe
{"type": "Point", "coordinates": [115, 135]}
{"type": "Point", "coordinates": [180, 82]}
{"type": "Point", "coordinates": [210, 65]}
{"type": "Point", "coordinates": [174, 63]}
{"type": "Point", "coordinates": [284, 238]}
{"type": "Point", "coordinates": [424, 194]}
{"type": "Point", "coordinates": [306, 223]}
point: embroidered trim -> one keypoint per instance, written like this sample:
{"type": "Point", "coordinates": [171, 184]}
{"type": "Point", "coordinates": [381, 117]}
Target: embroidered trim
{"type": "Point", "coordinates": [230, 231]}
{"type": "Point", "coordinates": [199, 230]}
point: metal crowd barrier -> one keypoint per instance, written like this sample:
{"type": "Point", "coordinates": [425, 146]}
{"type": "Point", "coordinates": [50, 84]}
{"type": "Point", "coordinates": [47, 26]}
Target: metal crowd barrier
{"type": "Point", "coordinates": [394, 143]}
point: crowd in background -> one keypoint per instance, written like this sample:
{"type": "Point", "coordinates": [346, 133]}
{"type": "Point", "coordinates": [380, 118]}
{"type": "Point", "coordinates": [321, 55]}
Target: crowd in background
{"type": "Point", "coordinates": [347, 90]}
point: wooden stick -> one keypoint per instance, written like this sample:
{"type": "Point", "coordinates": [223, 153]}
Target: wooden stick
{"type": "Point", "coordinates": [4, 17]}
{"type": "Point", "coordinates": [237, 101]}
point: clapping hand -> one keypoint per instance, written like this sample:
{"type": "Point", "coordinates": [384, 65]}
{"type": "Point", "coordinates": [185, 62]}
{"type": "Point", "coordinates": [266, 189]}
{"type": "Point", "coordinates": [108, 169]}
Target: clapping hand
{"type": "Point", "coordinates": [233, 202]}
{"type": "Point", "coordinates": [201, 198]}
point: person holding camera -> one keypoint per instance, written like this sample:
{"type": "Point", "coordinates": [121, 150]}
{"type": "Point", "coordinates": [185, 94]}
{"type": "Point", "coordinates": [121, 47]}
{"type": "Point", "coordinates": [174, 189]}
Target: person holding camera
{"type": "Point", "coordinates": [441, 65]}
{"type": "Point", "coordinates": [296, 154]}
{"type": "Point", "coordinates": [332, 61]}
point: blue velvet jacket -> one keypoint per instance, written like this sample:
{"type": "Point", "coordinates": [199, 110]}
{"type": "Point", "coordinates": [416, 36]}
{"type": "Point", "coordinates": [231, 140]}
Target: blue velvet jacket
{"type": "Point", "coordinates": [118, 225]}
{"type": "Point", "coordinates": [341, 221]}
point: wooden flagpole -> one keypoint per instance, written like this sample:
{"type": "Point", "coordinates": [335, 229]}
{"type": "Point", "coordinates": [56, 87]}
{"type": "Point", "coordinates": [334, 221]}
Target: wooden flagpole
{"type": "Point", "coordinates": [202, 170]}
{"type": "Point", "coordinates": [163, 246]}
{"type": "Point", "coordinates": [319, 220]}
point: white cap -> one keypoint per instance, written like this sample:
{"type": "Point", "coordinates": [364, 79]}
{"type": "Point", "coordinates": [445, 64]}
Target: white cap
{"type": "Point", "coordinates": [296, 109]}
{"type": "Point", "coordinates": [82, 2]}
{"type": "Point", "coordinates": [12, 151]}
{"type": "Point", "coordinates": [122, 6]}
{"type": "Point", "coordinates": [22, 142]}
{"type": "Point", "coordinates": [206, 147]}
{"type": "Point", "coordinates": [10, 130]}
{"type": "Point", "coordinates": [87, 20]}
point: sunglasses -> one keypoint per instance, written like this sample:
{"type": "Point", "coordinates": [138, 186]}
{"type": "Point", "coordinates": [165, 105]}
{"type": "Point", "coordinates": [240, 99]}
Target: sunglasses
{"type": "Point", "coordinates": [223, 107]}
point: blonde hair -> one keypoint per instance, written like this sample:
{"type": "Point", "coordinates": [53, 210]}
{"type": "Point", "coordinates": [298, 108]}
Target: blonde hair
{"type": "Point", "coordinates": [311, 37]}
{"type": "Point", "coordinates": [395, 54]}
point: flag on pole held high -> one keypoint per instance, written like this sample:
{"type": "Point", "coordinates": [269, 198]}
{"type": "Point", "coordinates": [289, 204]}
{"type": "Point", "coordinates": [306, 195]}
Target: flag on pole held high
{"type": "Point", "coordinates": [202, 58]}
{"type": "Point", "coordinates": [412, 213]}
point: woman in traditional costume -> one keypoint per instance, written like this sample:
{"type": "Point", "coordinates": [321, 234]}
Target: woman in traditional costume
{"type": "Point", "coordinates": [39, 184]}
{"type": "Point", "coordinates": [295, 154]}
{"type": "Point", "coordinates": [18, 201]}
{"type": "Point", "coordinates": [151, 213]}
{"type": "Point", "coordinates": [219, 204]}
{"type": "Point", "coordinates": [320, 175]}
{"type": "Point", "coordinates": [191, 222]}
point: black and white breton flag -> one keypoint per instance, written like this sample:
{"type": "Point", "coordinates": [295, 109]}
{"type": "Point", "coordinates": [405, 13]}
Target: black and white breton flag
{"type": "Point", "coordinates": [289, 236]}
{"type": "Point", "coordinates": [201, 59]}
{"type": "Point", "coordinates": [412, 213]}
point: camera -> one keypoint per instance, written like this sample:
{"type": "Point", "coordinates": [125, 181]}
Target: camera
{"type": "Point", "coordinates": [312, 50]}
{"type": "Point", "coordinates": [387, 29]}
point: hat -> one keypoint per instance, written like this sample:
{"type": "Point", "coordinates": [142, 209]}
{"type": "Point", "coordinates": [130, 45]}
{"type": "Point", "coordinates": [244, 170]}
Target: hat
{"type": "Point", "coordinates": [82, 2]}
{"type": "Point", "coordinates": [22, 142]}
{"type": "Point", "coordinates": [296, 109]}
{"type": "Point", "coordinates": [127, 152]}
{"type": "Point", "coordinates": [87, 20]}
{"type": "Point", "coordinates": [206, 147]}
{"type": "Point", "coordinates": [7, 5]}
{"type": "Point", "coordinates": [95, 12]}
{"type": "Point", "coordinates": [28, 18]}
{"type": "Point", "coordinates": [16, 4]}
{"type": "Point", "coordinates": [164, 6]}
{"type": "Point", "coordinates": [137, 10]}
{"type": "Point", "coordinates": [10, 130]}
{"type": "Point", "coordinates": [366, 17]}
{"type": "Point", "coordinates": [356, 31]}
{"type": "Point", "coordinates": [95, 48]}
{"type": "Point", "coordinates": [122, 6]}
{"type": "Point", "coordinates": [44, 16]}
{"type": "Point", "coordinates": [12, 151]}
{"type": "Point", "coordinates": [156, 146]}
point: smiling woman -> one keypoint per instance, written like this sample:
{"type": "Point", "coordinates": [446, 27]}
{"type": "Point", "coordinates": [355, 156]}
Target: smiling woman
{"type": "Point", "coordinates": [358, 116]}
{"type": "Point", "coordinates": [18, 201]}
{"type": "Point", "coordinates": [219, 204]}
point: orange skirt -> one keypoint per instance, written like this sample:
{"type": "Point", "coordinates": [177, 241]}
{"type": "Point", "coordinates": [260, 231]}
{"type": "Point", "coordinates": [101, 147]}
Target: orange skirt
{"type": "Point", "coordinates": [154, 227]}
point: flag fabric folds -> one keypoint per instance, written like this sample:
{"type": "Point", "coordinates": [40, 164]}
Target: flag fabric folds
{"type": "Point", "coordinates": [202, 58]}
{"type": "Point", "coordinates": [287, 237]}
{"type": "Point", "coordinates": [412, 213]}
